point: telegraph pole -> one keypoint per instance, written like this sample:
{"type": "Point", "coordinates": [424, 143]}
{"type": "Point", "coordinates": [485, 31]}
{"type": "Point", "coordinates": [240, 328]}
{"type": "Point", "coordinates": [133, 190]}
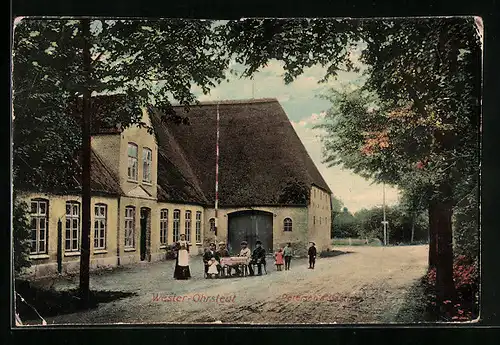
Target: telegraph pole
{"type": "Point", "coordinates": [384, 222]}
{"type": "Point", "coordinates": [217, 176]}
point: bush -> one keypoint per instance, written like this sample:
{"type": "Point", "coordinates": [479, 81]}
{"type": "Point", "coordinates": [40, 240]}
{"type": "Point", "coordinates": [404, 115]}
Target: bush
{"type": "Point", "coordinates": [21, 236]}
{"type": "Point", "coordinates": [170, 252]}
{"type": "Point", "coordinates": [466, 278]}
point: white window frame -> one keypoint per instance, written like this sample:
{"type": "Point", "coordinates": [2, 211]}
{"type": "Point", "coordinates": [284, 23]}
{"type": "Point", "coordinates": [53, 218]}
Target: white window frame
{"type": "Point", "coordinates": [176, 226]}
{"type": "Point", "coordinates": [132, 162]}
{"type": "Point", "coordinates": [198, 227]}
{"type": "Point", "coordinates": [100, 226]}
{"type": "Point", "coordinates": [147, 164]}
{"type": "Point", "coordinates": [129, 237]}
{"type": "Point", "coordinates": [73, 231]}
{"type": "Point", "coordinates": [39, 244]}
{"type": "Point", "coordinates": [163, 226]}
{"type": "Point", "coordinates": [187, 224]}
{"type": "Point", "coordinates": [287, 224]}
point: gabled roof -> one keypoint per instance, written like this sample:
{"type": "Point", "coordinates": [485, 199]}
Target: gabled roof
{"type": "Point", "coordinates": [102, 180]}
{"type": "Point", "coordinates": [260, 152]}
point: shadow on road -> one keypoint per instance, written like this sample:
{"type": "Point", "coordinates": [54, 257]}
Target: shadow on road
{"type": "Point", "coordinates": [50, 302]}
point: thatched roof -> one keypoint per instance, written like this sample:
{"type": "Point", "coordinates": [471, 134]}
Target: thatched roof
{"type": "Point", "coordinates": [102, 181]}
{"type": "Point", "coordinates": [262, 160]}
{"type": "Point", "coordinates": [260, 152]}
{"type": "Point", "coordinates": [176, 180]}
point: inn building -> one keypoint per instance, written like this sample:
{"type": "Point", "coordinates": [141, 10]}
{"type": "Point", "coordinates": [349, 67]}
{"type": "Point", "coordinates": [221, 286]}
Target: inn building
{"type": "Point", "coordinates": [148, 188]}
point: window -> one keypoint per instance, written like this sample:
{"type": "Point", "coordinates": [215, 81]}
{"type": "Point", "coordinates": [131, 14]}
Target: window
{"type": "Point", "coordinates": [129, 227]}
{"type": "Point", "coordinates": [314, 192]}
{"type": "Point", "coordinates": [147, 159]}
{"type": "Point", "coordinates": [163, 226]}
{"type": "Point", "coordinates": [177, 219]}
{"type": "Point", "coordinates": [287, 224]}
{"type": "Point", "coordinates": [132, 161]}
{"type": "Point", "coordinates": [212, 224]}
{"type": "Point", "coordinates": [319, 220]}
{"type": "Point", "coordinates": [188, 226]}
{"type": "Point", "coordinates": [38, 226]}
{"type": "Point", "coordinates": [314, 219]}
{"type": "Point", "coordinates": [72, 243]}
{"type": "Point", "coordinates": [198, 227]}
{"type": "Point", "coordinates": [100, 226]}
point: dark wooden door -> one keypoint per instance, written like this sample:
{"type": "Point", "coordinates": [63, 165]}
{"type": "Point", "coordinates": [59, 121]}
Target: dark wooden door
{"type": "Point", "coordinates": [144, 232]}
{"type": "Point", "coordinates": [250, 226]}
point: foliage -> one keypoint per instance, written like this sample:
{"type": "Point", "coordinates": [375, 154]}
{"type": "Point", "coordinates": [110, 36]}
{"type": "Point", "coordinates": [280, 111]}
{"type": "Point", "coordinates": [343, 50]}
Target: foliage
{"type": "Point", "coordinates": [367, 224]}
{"type": "Point", "coordinates": [149, 62]}
{"type": "Point", "coordinates": [21, 236]}
{"type": "Point", "coordinates": [170, 252]}
{"type": "Point", "coordinates": [344, 224]}
{"type": "Point", "coordinates": [399, 228]}
{"type": "Point", "coordinates": [298, 43]}
{"type": "Point", "coordinates": [466, 280]}
{"type": "Point", "coordinates": [466, 225]}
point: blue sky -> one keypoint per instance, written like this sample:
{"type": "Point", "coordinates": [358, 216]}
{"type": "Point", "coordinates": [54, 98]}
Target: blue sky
{"type": "Point", "coordinates": [304, 108]}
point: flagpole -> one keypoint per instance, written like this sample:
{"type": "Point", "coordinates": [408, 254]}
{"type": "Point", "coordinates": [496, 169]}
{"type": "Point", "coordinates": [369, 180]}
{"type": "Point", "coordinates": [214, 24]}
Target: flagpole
{"type": "Point", "coordinates": [217, 176]}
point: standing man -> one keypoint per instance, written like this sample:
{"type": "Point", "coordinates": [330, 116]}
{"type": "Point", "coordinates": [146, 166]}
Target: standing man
{"type": "Point", "coordinates": [287, 254]}
{"type": "Point", "coordinates": [208, 255]}
{"type": "Point", "coordinates": [312, 255]}
{"type": "Point", "coordinates": [258, 258]}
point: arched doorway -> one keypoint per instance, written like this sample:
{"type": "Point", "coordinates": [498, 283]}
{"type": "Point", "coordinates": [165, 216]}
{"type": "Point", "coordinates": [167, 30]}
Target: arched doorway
{"type": "Point", "coordinates": [250, 226]}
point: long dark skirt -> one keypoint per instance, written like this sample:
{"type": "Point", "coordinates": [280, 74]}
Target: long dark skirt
{"type": "Point", "coordinates": [181, 272]}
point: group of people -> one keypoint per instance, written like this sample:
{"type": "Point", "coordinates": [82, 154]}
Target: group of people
{"type": "Point", "coordinates": [284, 256]}
{"type": "Point", "coordinates": [212, 258]}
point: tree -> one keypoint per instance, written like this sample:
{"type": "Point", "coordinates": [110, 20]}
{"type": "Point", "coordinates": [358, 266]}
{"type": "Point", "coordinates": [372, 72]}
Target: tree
{"type": "Point", "coordinates": [345, 225]}
{"type": "Point", "coordinates": [424, 70]}
{"type": "Point", "coordinates": [59, 61]}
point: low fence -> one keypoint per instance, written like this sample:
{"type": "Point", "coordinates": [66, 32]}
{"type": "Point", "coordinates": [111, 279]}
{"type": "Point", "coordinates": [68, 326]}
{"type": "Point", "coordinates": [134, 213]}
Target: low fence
{"type": "Point", "coordinates": [356, 242]}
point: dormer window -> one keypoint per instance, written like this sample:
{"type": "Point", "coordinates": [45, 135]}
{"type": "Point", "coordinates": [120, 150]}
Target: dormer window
{"type": "Point", "coordinates": [132, 162]}
{"type": "Point", "coordinates": [147, 162]}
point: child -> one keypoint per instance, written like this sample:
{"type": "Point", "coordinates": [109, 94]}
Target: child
{"type": "Point", "coordinates": [279, 259]}
{"type": "Point", "coordinates": [212, 268]}
{"type": "Point", "coordinates": [312, 255]}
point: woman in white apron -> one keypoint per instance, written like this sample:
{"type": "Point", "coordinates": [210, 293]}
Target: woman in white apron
{"type": "Point", "coordinates": [182, 259]}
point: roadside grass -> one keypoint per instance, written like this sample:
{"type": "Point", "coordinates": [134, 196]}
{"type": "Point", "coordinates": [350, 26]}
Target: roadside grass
{"type": "Point", "coordinates": [415, 306]}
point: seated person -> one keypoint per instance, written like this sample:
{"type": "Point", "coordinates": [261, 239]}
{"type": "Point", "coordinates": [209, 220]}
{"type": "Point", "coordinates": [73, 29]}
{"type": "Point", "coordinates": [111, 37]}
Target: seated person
{"type": "Point", "coordinates": [244, 252]}
{"type": "Point", "coordinates": [208, 255]}
{"type": "Point", "coordinates": [258, 258]}
{"type": "Point", "coordinates": [213, 268]}
{"type": "Point", "coordinates": [223, 253]}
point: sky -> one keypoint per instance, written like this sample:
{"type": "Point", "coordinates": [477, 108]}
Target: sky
{"type": "Point", "coordinates": [305, 108]}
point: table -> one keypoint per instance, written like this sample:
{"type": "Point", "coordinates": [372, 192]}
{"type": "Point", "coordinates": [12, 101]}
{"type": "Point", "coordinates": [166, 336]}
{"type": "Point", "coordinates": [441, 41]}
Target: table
{"type": "Point", "coordinates": [235, 261]}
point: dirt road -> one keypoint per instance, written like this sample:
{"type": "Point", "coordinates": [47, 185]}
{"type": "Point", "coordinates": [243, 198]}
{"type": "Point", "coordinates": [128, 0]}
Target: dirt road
{"type": "Point", "coordinates": [367, 285]}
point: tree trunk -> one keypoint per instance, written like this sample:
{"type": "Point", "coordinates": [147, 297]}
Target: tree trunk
{"type": "Point", "coordinates": [86, 152]}
{"type": "Point", "coordinates": [445, 286]}
{"type": "Point", "coordinates": [432, 235]}
{"type": "Point", "coordinates": [412, 238]}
